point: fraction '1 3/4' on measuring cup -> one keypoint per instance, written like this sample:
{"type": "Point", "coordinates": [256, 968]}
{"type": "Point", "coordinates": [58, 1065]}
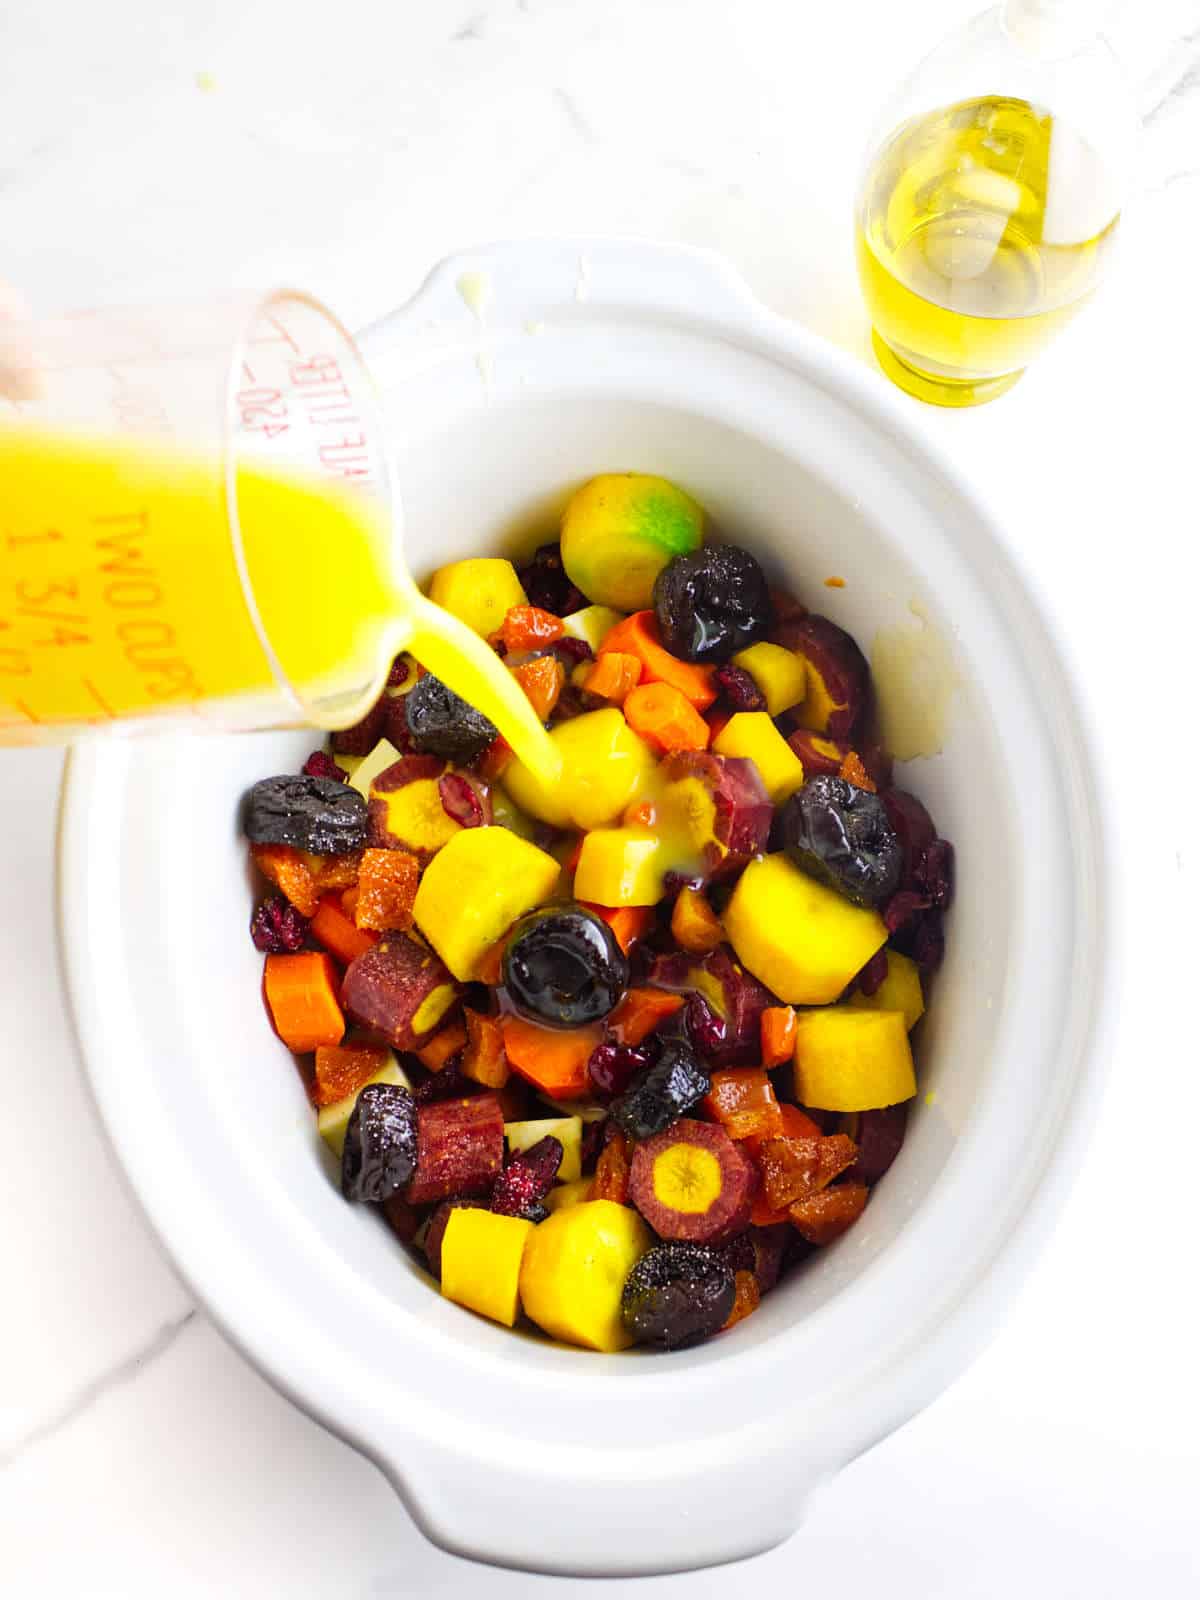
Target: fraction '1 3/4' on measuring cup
{"type": "Point", "coordinates": [198, 526]}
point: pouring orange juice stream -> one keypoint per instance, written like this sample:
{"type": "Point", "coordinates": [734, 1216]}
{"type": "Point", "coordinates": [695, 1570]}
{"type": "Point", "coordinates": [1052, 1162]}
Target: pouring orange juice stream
{"type": "Point", "coordinates": [128, 599]}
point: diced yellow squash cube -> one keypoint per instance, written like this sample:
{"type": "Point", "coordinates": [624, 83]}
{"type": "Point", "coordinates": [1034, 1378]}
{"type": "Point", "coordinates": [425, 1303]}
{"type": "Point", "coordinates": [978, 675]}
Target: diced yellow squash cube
{"type": "Point", "coordinates": [753, 734]}
{"type": "Point", "coordinates": [575, 1268]}
{"type": "Point", "coordinates": [369, 768]}
{"type": "Point", "coordinates": [349, 764]}
{"type": "Point", "coordinates": [780, 674]}
{"type": "Point", "coordinates": [481, 1262]}
{"type": "Point", "coordinates": [853, 1060]}
{"type": "Point", "coordinates": [567, 1130]}
{"type": "Point", "coordinates": [332, 1120]}
{"type": "Point", "coordinates": [899, 991]}
{"type": "Point", "coordinates": [604, 767]}
{"type": "Point", "coordinates": [590, 625]}
{"type": "Point", "coordinates": [620, 867]}
{"type": "Point", "coordinates": [798, 937]}
{"type": "Point", "coordinates": [479, 591]}
{"type": "Point", "coordinates": [569, 1194]}
{"type": "Point", "coordinates": [475, 888]}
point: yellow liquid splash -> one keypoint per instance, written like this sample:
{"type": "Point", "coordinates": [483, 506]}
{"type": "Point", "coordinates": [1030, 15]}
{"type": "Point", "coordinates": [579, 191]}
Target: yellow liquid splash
{"type": "Point", "coordinates": [982, 229]}
{"type": "Point", "coordinates": [122, 597]}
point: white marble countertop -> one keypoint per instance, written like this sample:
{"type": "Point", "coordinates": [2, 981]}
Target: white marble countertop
{"type": "Point", "coordinates": [177, 148]}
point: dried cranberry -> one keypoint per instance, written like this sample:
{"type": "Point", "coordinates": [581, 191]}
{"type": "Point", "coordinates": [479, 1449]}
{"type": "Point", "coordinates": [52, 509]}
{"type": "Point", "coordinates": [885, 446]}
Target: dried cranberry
{"type": "Point", "coordinates": [546, 584]}
{"type": "Point", "coordinates": [400, 673]}
{"type": "Point", "coordinates": [594, 1140]}
{"type": "Point", "coordinates": [575, 650]}
{"type": "Point", "coordinates": [929, 943]}
{"type": "Point", "coordinates": [911, 824]}
{"type": "Point", "coordinates": [902, 908]}
{"type": "Point", "coordinates": [322, 765]}
{"type": "Point", "coordinates": [739, 688]}
{"type": "Point", "coordinates": [612, 1068]}
{"type": "Point", "coordinates": [460, 800]}
{"type": "Point", "coordinates": [706, 1030]}
{"type": "Point", "coordinates": [873, 974]}
{"type": "Point", "coordinates": [395, 723]}
{"type": "Point", "coordinates": [934, 873]}
{"type": "Point", "coordinates": [277, 928]}
{"type": "Point", "coordinates": [527, 1178]}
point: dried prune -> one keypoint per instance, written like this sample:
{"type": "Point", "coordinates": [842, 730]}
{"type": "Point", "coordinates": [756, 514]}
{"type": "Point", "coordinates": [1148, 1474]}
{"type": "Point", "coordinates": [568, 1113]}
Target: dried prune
{"type": "Point", "coordinates": [672, 1086]}
{"type": "Point", "coordinates": [277, 928]}
{"type": "Point", "coordinates": [841, 836]}
{"type": "Point", "coordinates": [527, 1178]}
{"type": "Point", "coordinates": [320, 815]}
{"type": "Point", "coordinates": [546, 584]}
{"type": "Point", "coordinates": [677, 1294]}
{"type": "Point", "coordinates": [442, 723]}
{"type": "Point", "coordinates": [563, 967]}
{"type": "Point", "coordinates": [322, 765]}
{"type": "Point", "coordinates": [711, 603]}
{"type": "Point", "coordinates": [380, 1153]}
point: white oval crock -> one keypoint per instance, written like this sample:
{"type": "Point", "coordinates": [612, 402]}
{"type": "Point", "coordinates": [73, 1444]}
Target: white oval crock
{"type": "Point", "coordinates": [592, 357]}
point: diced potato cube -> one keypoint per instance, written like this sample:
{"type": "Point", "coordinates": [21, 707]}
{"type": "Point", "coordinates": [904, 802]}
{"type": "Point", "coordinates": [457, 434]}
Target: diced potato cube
{"type": "Point", "coordinates": [569, 1194]}
{"type": "Point", "coordinates": [798, 937]}
{"type": "Point", "coordinates": [479, 591]}
{"type": "Point", "coordinates": [853, 1060]}
{"type": "Point", "coordinates": [620, 867]}
{"type": "Point", "coordinates": [753, 734]}
{"type": "Point", "coordinates": [899, 991]}
{"type": "Point", "coordinates": [591, 624]}
{"type": "Point", "coordinates": [368, 769]}
{"type": "Point", "coordinates": [567, 1130]}
{"type": "Point", "coordinates": [604, 767]}
{"type": "Point", "coordinates": [575, 1268]}
{"type": "Point", "coordinates": [475, 888]}
{"type": "Point", "coordinates": [332, 1120]}
{"type": "Point", "coordinates": [780, 674]}
{"type": "Point", "coordinates": [481, 1262]}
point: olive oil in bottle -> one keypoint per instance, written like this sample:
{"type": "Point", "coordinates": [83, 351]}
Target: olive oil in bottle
{"type": "Point", "coordinates": [982, 230]}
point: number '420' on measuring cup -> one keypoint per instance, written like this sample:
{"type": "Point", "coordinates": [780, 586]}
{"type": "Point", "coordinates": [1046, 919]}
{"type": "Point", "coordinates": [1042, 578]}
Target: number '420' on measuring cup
{"type": "Point", "coordinates": [198, 526]}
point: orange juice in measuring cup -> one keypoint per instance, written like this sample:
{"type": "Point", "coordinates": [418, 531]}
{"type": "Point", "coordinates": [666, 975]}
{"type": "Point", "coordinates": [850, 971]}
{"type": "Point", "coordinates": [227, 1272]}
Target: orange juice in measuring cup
{"type": "Point", "coordinates": [198, 525]}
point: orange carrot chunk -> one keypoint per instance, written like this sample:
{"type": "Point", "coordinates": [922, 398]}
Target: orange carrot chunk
{"type": "Point", "coordinates": [301, 994]}
{"type": "Point", "coordinates": [552, 1059]}
{"type": "Point", "coordinates": [778, 1026]}
{"type": "Point", "coordinates": [337, 932]}
{"type": "Point", "coordinates": [613, 676]}
{"type": "Point", "coordinates": [447, 1042]}
{"type": "Point", "coordinates": [638, 636]}
{"type": "Point", "coordinates": [665, 718]}
{"type": "Point", "coordinates": [640, 1012]}
{"type": "Point", "coordinates": [628, 923]}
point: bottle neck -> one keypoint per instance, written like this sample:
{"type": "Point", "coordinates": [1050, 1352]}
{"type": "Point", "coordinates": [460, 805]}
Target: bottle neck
{"type": "Point", "coordinates": [1050, 28]}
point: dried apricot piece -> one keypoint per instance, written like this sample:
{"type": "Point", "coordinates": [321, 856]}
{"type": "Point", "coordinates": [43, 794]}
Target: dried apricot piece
{"type": "Point", "coordinates": [823, 1216]}
{"type": "Point", "coordinates": [334, 872]}
{"type": "Point", "coordinates": [746, 1296]}
{"type": "Point", "coordinates": [612, 1171]}
{"type": "Point", "coordinates": [284, 866]}
{"type": "Point", "coordinates": [484, 1059]}
{"type": "Point", "coordinates": [694, 923]}
{"type": "Point", "coordinates": [342, 1069]}
{"type": "Point", "coordinates": [387, 887]}
{"type": "Point", "coordinates": [542, 680]}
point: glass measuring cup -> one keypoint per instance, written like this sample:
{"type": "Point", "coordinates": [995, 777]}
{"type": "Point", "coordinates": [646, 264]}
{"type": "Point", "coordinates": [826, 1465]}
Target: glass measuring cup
{"type": "Point", "coordinates": [198, 525]}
